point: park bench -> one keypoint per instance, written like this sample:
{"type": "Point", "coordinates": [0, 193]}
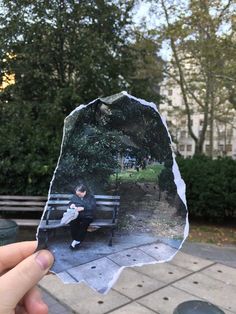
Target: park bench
{"type": "Point", "coordinates": [20, 209]}
{"type": "Point", "coordinates": [107, 207]}
{"type": "Point", "coordinates": [24, 210]}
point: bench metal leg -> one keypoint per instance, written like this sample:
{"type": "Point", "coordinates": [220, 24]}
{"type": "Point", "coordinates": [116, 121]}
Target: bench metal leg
{"type": "Point", "coordinates": [43, 239]}
{"type": "Point", "coordinates": [111, 238]}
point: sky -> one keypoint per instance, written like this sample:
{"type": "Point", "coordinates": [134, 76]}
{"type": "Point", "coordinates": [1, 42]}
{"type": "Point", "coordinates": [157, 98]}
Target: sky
{"type": "Point", "coordinates": [142, 12]}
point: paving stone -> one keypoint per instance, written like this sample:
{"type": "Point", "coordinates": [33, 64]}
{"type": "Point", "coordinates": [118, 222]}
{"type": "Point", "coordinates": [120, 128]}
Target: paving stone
{"type": "Point", "coordinates": [80, 298]}
{"type": "Point", "coordinates": [99, 274]}
{"type": "Point", "coordinates": [65, 277]}
{"type": "Point", "coordinates": [221, 272]}
{"type": "Point", "coordinates": [190, 262]}
{"type": "Point", "coordinates": [131, 257]}
{"type": "Point", "coordinates": [92, 248]}
{"type": "Point", "coordinates": [59, 309]}
{"type": "Point", "coordinates": [66, 259]}
{"type": "Point", "coordinates": [54, 306]}
{"type": "Point", "coordinates": [133, 308]}
{"type": "Point", "coordinates": [134, 284]}
{"type": "Point", "coordinates": [166, 300]}
{"type": "Point", "coordinates": [160, 251]}
{"type": "Point", "coordinates": [221, 254]}
{"type": "Point", "coordinates": [165, 272]}
{"type": "Point", "coordinates": [210, 289]}
{"type": "Point", "coordinates": [48, 299]}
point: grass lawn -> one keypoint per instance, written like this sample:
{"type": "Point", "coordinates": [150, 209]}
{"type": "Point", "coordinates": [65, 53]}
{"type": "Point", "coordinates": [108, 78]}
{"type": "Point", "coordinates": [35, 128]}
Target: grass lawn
{"type": "Point", "coordinates": [150, 174]}
{"type": "Point", "coordinates": [210, 233]}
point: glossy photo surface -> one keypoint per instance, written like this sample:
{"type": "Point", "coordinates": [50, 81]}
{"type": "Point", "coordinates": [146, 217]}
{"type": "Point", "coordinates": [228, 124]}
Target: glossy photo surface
{"type": "Point", "coordinates": [116, 198]}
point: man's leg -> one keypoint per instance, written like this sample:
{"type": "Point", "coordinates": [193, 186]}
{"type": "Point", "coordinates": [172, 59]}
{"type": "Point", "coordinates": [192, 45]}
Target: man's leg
{"type": "Point", "coordinates": [78, 229]}
{"type": "Point", "coordinates": [74, 229]}
{"type": "Point", "coordinates": [82, 230]}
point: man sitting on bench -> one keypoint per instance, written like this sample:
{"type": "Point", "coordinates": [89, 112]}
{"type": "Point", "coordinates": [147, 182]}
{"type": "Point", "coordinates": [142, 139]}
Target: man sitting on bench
{"type": "Point", "coordinates": [85, 203]}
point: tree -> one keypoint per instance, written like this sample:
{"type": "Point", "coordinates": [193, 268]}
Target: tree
{"type": "Point", "coordinates": [68, 50]}
{"type": "Point", "coordinates": [62, 53]}
{"type": "Point", "coordinates": [147, 71]}
{"type": "Point", "coordinates": [197, 31]}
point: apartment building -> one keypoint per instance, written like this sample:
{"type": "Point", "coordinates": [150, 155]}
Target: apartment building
{"type": "Point", "coordinates": [172, 109]}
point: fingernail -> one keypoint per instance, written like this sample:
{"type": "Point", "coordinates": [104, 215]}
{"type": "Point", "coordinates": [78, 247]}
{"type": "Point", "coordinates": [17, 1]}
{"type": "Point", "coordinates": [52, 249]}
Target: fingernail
{"type": "Point", "coordinates": [43, 259]}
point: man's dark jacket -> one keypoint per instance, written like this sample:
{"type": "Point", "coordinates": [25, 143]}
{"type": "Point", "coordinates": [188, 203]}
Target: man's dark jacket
{"type": "Point", "coordinates": [88, 202]}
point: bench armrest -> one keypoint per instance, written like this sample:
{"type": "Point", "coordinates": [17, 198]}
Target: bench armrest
{"type": "Point", "coordinates": [48, 214]}
{"type": "Point", "coordinates": [114, 214]}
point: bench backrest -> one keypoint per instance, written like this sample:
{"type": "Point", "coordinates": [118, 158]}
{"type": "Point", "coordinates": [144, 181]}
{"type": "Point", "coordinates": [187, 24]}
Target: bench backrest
{"type": "Point", "coordinates": [22, 203]}
{"type": "Point", "coordinates": [106, 205]}
{"type": "Point", "coordinates": [14, 203]}
{"type": "Point", "coordinates": [103, 202]}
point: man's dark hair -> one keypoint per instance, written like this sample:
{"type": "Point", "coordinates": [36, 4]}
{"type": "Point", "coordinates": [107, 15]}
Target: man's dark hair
{"type": "Point", "coordinates": [81, 188]}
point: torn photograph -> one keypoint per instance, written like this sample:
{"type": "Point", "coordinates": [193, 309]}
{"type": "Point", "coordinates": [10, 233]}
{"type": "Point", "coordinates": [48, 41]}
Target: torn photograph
{"type": "Point", "coordinates": [116, 198]}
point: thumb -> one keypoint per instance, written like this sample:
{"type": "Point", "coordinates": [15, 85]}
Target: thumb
{"type": "Point", "coordinates": [19, 280]}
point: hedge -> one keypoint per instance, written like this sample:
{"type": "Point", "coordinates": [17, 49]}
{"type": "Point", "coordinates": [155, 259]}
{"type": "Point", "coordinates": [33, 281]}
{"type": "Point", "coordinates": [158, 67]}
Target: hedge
{"type": "Point", "coordinates": [210, 187]}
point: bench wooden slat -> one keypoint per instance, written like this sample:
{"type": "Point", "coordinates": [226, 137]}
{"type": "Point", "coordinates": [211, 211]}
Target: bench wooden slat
{"type": "Point", "coordinates": [60, 196]}
{"type": "Point", "coordinates": [113, 197]}
{"type": "Point", "coordinates": [107, 203]}
{"type": "Point", "coordinates": [97, 223]}
{"type": "Point", "coordinates": [97, 202]}
{"type": "Point", "coordinates": [27, 222]}
{"type": "Point", "coordinates": [20, 209]}
{"type": "Point", "coordinates": [103, 222]}
{"type": "Point", "coordinates": [20, 197]}
{"type": "Point", "coordinates": [15, 203]}
{"type": "Point", "coordinates": [58, 202]}
{"type": "Point", "coordinates": [68, 196]}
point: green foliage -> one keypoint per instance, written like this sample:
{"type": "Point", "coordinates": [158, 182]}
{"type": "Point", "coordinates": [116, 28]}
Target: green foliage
{"type": "Point", "coordinates": [166, 179]}
{"type": "Point", "coordinates": [146, 175]}
{"type": "Point", "coordinates": [201, 38]}
{"type": "Point", "coordinates": [62, 53]}
{"type": "Point", "coordinates": [87, 156]}
{"type": "Point", "coordinates": [30, 142]}
{"type": "Point", "coordinates": [211, 186]}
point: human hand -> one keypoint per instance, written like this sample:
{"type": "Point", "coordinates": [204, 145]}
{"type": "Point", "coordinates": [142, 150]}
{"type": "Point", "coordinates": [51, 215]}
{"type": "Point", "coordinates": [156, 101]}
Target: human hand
{"type": "Point", "coordinates": [80, 209]}
{"type": "Point", "coordinates": [72, 206]}
{"type": "Point", "coordinates": [20, 271]}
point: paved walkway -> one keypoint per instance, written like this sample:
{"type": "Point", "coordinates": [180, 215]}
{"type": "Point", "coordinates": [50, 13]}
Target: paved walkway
{"type": "Point", "coordinates": [197, 272]}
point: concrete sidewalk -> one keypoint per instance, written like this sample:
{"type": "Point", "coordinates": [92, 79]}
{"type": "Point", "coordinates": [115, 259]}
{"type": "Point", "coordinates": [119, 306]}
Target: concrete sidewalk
{"type": "Point", "coordinates": [155, 288]}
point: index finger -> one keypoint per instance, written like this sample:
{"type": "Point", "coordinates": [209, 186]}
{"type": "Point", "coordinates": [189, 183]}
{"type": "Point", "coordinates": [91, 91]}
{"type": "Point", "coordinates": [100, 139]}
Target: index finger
{"type": "Point", "coordinates": [13, 254]}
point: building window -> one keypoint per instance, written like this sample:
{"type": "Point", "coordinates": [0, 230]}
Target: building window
{"type": "Point", "coordinates": [183, 134]}
{"type": "Point", "coordinates": [170, 103]}
{"type": "Point", "coordinates": [228, 148]}
{"type": "Point", "coordinates": [222, 135]}
{"type": "Point", "coordinates": [221, 147]}
{"type": "Point", "coordinates": [170, 92]}
{"type": "Point", "coordinates": [208, 134]}
{"type": "Point", "coordinates": [181, 148]}
{"type": "Point", "coordinates": [189, 148]}
{"type": "Point", "coordinates": [207, 148]}
{"type": "Point", "coordinates": [229, 132]}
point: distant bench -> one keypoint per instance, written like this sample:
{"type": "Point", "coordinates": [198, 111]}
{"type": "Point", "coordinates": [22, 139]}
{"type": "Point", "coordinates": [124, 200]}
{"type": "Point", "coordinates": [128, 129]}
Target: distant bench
{"type": "Point", "coordinates": [14, 206]}
{"type": "Point", "coordinates": [107, 207]}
